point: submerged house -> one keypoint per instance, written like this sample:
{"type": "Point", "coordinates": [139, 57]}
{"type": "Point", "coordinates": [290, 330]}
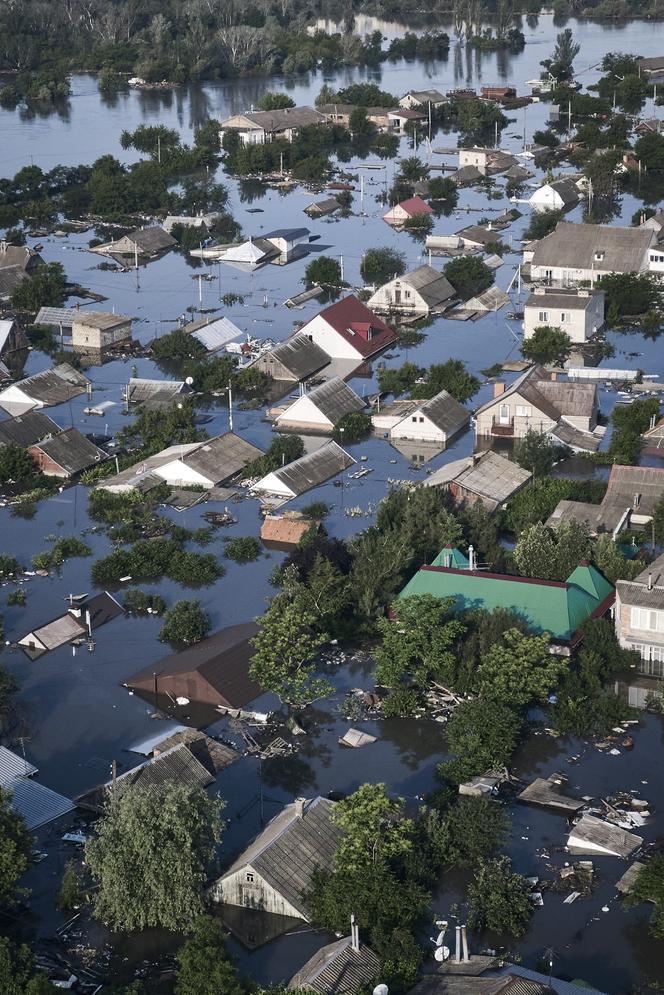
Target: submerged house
{"type": "Point", "coordinates": [25, 430]}
{"type": "Point", "coordinates": [421, 291]}
{"type": "Point", "coordinates": [77, 624]}
{"type": "Point", "coordinates": [437, 420]}
{"type": "Point", "coordinates": [559, 195]}
{"type": "Point", "coordinates": [258, 127]}
{"type": "Point", "coordinates": [154, 393]}
{"type": "Point", "coordinates": [487, 477]}
{"type": "Point", "coordinates": [304, 473]}
{"type": "Point", "coordinates": [573, 253]}
{"type": "Point", "coordinates": [579, 313]}
{"type": "Point", "coordinates": [44, 390]}
{"type": "Point", "coordinates": [296, 359]}
{"type": "Point", "coordinates": [143, 243]}
{"type": "Point", "coordinates": [629, 502]}
{"type": "Point", "coordinates": [405, 210]}
{"type": "Point", "coordinates": [343, 967]}
{"type": "Point", "coordinates": [639, 617]}
{"type": "Point", "coordinates": [65, 454]}
{"type": "Point", "coordinates": [214, 672]}
{"type": "Point", "coordinates": [12, 338]}
{"type": "Point", "coordinates": [99, 331]}
{"type": "Point", "coordinates": [320, 409]}
{"type": "Point", "coordinates": [275, 872]}
{"type": "Point", "coordinates": [349, 330]}
{"type": "Point", "coordinates": [558, 608]}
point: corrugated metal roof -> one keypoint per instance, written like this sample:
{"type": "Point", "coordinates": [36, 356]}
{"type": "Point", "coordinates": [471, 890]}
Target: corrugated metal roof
{"type": "Point", "coordinates": [56, 316]}
{"type": "Point", "coordinates": [601, 247]}
{"type": "Point", "coordinates": [13, 766]}
{"type": "Point", "coordinates": [445, 412]}
{"type": "Point", "coordinates": [221, 458]}
{"type": "Point", "coordinates": [140, 389]}
{"type": "Point", "coordinates": [72, 451]}
{"type": "Point", "coordinates": [36, 803]}
{"type": "Point", "coordinates": [217, 334]}
{"type": "Point", "coordinates": [299, 355]}
{"type": "Point", "coordinates": [333, 398]}
{"type": "Point", "coordinates": [490, 475]}
{"type": "Point", "coordinates": [432, 286]}
{"type": "Point", "coordinates": [310, 470]}
{"type": "Point", "coordinates": [54, 386]}
{"type": "Point", "coordinates": [338, 969]}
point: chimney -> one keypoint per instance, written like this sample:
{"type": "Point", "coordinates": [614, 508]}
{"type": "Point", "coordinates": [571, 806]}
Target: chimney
{"type": "Point", "coordinates": [457, 952]}
{"type": "Point", "coordinates": [299, 807]}
{"type": "Point", "coordinates": [650, 582]}
{"type": "Point", "coordinates": [464, 940]}
{"type": "Point", "coordinates": [636, 502]}
{"type": "Point", "coordinates": [554, 375]}
{"type": "Point", "coordinates": [471, 558]}
{"type": "Point", "coordinates": [354, 934]}
{"type": "Point", "coordinates": [498, 388]}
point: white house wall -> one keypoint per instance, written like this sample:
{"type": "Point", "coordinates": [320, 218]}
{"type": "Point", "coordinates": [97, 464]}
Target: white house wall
{"type": "Point", "coordinates": [248, 890]}
{"type": "Point", "coordinates": [580, 326]}
{"type": "Point", "coordinates": [418, 428]}
{"type": "Point", "coordinates": [304, 412]}
{"type": "Point", "coordinates": [179, 474]}
{"type": "Point", "coordinates": [271, 484]}
{"type": "Point", "coordinates": [329, 340]}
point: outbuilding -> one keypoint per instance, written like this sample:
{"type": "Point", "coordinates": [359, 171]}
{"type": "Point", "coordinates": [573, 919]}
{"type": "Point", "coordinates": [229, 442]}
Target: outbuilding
{"type": "Point", "coordinates": [320, 409]}
{"type": "Point", "coordinates": [302, 474]}
{"type": "Point", "coordinates": [99, 331]}
{"type": "Point", "coordinates": [437, 420]}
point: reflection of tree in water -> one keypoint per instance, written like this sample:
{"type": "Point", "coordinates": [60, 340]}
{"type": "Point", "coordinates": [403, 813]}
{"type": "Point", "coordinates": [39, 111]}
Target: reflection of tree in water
{"type": "Point", "coordinates": [200, 106]}
{"type": "Point", "coordinates": [46, 108]}
{"type": "Point", "coordinates": [251, 190]}
{"type": "Point", "coordinates": [291, 773]}
{"type": "Point", "coordinates": [416, 740]}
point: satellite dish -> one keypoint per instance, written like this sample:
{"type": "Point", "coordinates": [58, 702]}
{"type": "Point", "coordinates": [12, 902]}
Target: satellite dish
{"type": "Point", "coordinates": [189, 381]}
{"type": "Point", "coordinates": [441, 954]}
{"type": "Point", "coordinates": [381, 990]}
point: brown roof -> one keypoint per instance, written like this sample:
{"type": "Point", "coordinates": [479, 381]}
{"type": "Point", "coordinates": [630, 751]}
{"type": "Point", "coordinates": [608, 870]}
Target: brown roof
{"type": "Point", "coordinates": [213, 672]}
{"type": "Point", "coordinates": [71, 451]}
{"type": "Point", "coordinates": [285, 529]}
{"type": "Point", "coordinates": [338, 969]}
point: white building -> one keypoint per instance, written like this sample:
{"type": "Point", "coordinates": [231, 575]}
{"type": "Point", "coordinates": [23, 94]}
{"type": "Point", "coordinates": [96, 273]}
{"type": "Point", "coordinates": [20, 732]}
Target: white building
{"type": "Point", "coordinates": [436, 420]}
{"type": "Point", "coordinates": [580, 313]}
{"type": "Point", "coordinates": [582, 253]}
{"type": "Point", "coordinates": [349, 330]}
{"type": "Point", "coordinates": [321, 409]}
{"type": "Point", "coordinates": [422, 98]}
{"type": "Point", "coordinates": [304, 473]}
{"type": "Point", "coordinates": [258, 127]}
{"type": "Point", "coordinates": [559, 195]}
{"type": "Point", "coordinates": [421, 291]}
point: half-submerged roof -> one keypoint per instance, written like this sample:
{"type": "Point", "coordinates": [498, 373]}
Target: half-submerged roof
{"type": "Point", "coordinates": [432, 286]}
{"type": "Point", "coordinates": [338, 969]}
{"type": "Point", "coordinates": [71, 451]}
{"type": "Point", "coordinates": [214, 671]}
{"type": "Point", "coordinates": [556, 607]}
{"type": "Point", "coordinates": [444, 411]}
{"type": "Point", "coordinates": [300, 356]}
{"type": "Point", "coordinates": [308, 471]}
{"type": "Point", "coordinates": [24, 430]}
{"type": "Point", "coordinates": [298, 841]}
{"type": "Point", "coordinates": [488, 475]}
{"type": "Point", "coordinates": [55, 386]}
{"type": "Point", "coordinates": [334, 399]}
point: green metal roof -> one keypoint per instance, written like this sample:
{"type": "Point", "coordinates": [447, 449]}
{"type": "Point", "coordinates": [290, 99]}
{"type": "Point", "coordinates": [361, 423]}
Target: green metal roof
{"type": "Point", "coordinates": [451, 557]}
{"type": "Point", "coordinates": [546, 606]}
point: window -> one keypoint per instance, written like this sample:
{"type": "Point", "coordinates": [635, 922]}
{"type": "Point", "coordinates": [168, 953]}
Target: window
{"type": "Point", "coordinates": [422, 419]}
{"type": "Point", "coordinates": [564, 317]}
{"type": "Point", "coordinates": [523, 411]}
{"type": "Point", "coordinates": [543, 316]}
{"type": "Point", "coordinates": [414, 418]}
{"type": "Point", "coordinates": [250, 877]}
{"type": "Point", "coordinates": [647, 619]}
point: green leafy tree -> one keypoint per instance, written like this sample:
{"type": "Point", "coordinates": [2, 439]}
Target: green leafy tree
{"type": "Point", "coordinates": [271, 101]}
{"type": "Point", "coordinates": [649, 149]}
{"type": "Point", "coordinates": [472, 829]}
{"type": "Point", "coordinates": [323, 596]}
{"type": "Point", "coordinates": [418, 641]}
{"type": "Point", "coordinates": [649, 887]}
{"type": "Point", "coordinates": [552, 554]}
{"type": "Point", "coordinates": [359, 124]}
{"type": "Point", "coordinates": [352, 427]}
{"type": "Point", "coordinates": [204, 966]}
{"type": "Point", "coordinates": [547, 345]}
{"type": "Point", "coordinates": [185, 623]}
{"type": "Point", "coordinates": [536, 452]}
{"type": "Point", "coordinates": [17, 971]}
{"type": "Point", "coordinates": [285, 646]}
{"type": "Point", "coordinates": [15, 464]}
{"type": "Point", "coordinates": [15, 840]}
{"type": "Point", "coordinates": [541, 224]}
{"type": "Point", "coordinates": [243, 549]}
{"type": "Point", "coordinates": [612, 562]}
{"type": "Point", "coordinates": [151, 856]}
{"type": "Point", "coordinates": [412, 169]}
{"type": "Point", "coordinates": [539, 499]}
{"type": "Point", "coordinates": [520, 670]}
{"type": "Point", "coordinates": [451, 376]}
{"type": "Point", "coordinates": [374, 831]}
{"type": "Point", "coordinates": [468, 275]}
{"type": "Point", "coordinates": [70, 894]}
{"type": "Point", "coordinates": [483, 732]}
{"type": "Point", "coordinates": [325, 271]}
{"type": "Point", "coordinates": [499, 899]}
{"type": "Point", "coordinates": [282, 450]}
{"type": "Point", "coordinates": [397, 381]}
{"type": "Point", "coordinates": [46, 287]}
{"type": "Point", "coordinates": [629, 294]}
{"type": "Point", "coordinates": [443, 188]}
{"type": "Point", "coordinates": [658, 521]}
{"type": "Point", "coordinates": [380, 265]}
{"type": "Point", "coordinates": [565, 52]}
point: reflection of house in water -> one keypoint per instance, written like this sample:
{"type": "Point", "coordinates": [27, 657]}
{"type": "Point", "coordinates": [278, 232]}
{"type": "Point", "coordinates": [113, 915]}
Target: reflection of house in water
{"type": "Point", "coordinates": [418, 453]}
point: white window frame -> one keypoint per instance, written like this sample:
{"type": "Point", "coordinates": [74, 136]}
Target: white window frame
{"type": "Point", "coordinates": [543, 316]}
{"type": "Point", "coordinates": [565, 317]}
{"type": "Point", "coordinates": [524, 411]}
{"type": "Point", "coordinates": [646, 619]}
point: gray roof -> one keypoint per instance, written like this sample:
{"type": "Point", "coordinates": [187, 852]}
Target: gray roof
{"type": "Point", "coordinates": [491, 299]}
{"type": "Point", "coordinates": [510, 979]}
{"type": "Point", "coordinates": [313, 469]}
{"type": "Point", "coordinates": [554, 398]}
{"type": "Point", "coordinates": [25, 430]}
{"type": "Point", "coordinates": [280, 120]}
{"type": "Point", "coordinates": [489, 475]}
{"type": "Point", "coordinates": [17, 255]}
{"type": "Point", "coordinates": [622, 250]}
{"type": "Point", "coordinates": [547, 792]}
{"type": "Point", "coordinates": [10, 278]}
{"type": "Point", "coordinates": [288, 234]}
{"type": "Point", "coordinates": [54, 386]}
{"type": "Point", "coordinates": [517, 173]}
{"type": "Point", "coordinates": [425, 95]}
{"type": "Point", "coordinates": [565, 298]}
{"type": "Point", "coordinates": [100, 319]}
{"type": "Point", "coordinates": [216, 334]}
{"type": "Point", "coordinates": [338, 969]}
{"type": "Point", "coordinates": [432, 286]}
{"type": "Point", "coordinates": [567, 191]}
{"type": "Point", "coordinates": [628, 482]}
{"type": "Point", "coordinates": [56, 316]}
{"type": "Point", "coordinates": [591, 832]}
{"type": "Point", "coordinates": [150, 240]}
{"type": "Point", "coordinates": [652, 64]}
{"type": "Point", "coordinates": [646, 590]}
{"type": "Point", "coordinates": [291, 848]}
{"type": "Point", "coordinates": [36, 803]}
{"type": "Point", "coordinates": [466, 174]}
{"type": "Point", "coordinates": [575, 438]}
{"type": "Point", "coordinates": [481, 234]}
{"type": "Point", "coordinates": [140, 389]}
{"type": "Point", "coordinates": [72, 451]}
{"type": "Point", "coordinates": [334, 399]}
{"type": "Point", "coordinates": [300, 356]}
{"type": "Point", "coordinates": [223, 457]}
{"type": "Point", "coordinates": [445, 412]}
{"type": "Point", "coordinates": [321, 207]}
{"type": "Point", "coordinates": [13, 766]}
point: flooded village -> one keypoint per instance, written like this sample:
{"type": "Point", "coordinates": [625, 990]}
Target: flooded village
{"type": "Point", "coordinates": [332, 501]}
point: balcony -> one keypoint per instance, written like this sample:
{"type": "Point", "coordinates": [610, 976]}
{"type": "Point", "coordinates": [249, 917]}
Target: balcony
{"type": "Point", "coordinates": [501, 427]}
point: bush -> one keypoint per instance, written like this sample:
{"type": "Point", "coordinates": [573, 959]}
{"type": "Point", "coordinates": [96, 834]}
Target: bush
{"type": "Point", "coordinates": [499, 899]}
{"type": "Point", "coordinates": [9, 566]}
{"type": "Point", "coordinates": [243, 549]}
{"type": "Point", "coordinates": [316, 510]}
{"type": "Point", "coordinates": [401, 702]}
{"type": "Point", "coordinates": [468, 275]}
{"type": "Point", "coordinates": [380, 265]}
{"type": "Point", "coordinates": [62, 549]}
{"type": "Point", "coordinates": [15, 464]}
{"type": "Point", "coordinates": [547, 345]}
{"type": "Point", "coordinates": [325, 271]}
{"type": "Point", "coordinates": [17, 597]}
{"type": "Point", "coordinates": [353, 427]}
{"type": "Point", "coordinates": [70, 894]}
{"type": "Point", "coordinates": [137, 602]}
{"type": "Point", "coordinates": [185, 623]}
{"type": "Point", "coordinates": [154, 559]}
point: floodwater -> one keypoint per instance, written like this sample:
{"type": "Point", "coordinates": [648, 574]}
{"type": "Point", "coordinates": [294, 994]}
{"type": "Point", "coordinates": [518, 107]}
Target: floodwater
{"type": "Point", "coordinates": [79, 720]}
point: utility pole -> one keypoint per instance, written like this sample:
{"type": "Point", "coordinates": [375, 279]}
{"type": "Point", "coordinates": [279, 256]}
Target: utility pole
{"type": "Point", "coordinates": [362, 194]}
{"type": "Point", "coordinates": [341, 261]}
{"type": "Point", "coordinates": [230, 406]}
{"type": "Point", "coordinates": [159, 149]}
{"type": "Point", "coordinates": [200, 291]}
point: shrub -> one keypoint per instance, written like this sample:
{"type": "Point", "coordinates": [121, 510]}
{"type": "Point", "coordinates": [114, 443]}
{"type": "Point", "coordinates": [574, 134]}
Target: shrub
{"type": "Point", "coordinates": [137, 602]}
{"type": "Point", "coordinates": [185, 623]}
{"type": "Point", "coordinates": [353, 427]}
{"type": "Point", "coordinates": [243, 549]}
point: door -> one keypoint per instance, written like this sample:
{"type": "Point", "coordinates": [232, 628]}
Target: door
{"type": "Point", "coordinates": [504, 415]}
{"type": "Point", "coordinates": [397, 296]}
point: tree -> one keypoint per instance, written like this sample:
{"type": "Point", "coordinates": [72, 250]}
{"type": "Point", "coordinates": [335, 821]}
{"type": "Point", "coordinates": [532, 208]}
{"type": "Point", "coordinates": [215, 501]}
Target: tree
{"type": "Point", "coordinates": [649, 887]}
{"type": "Point", "coordinates": [282, 450]}
{"type": "Point", "coordinates": [443, 188]}
{"type": "Point", "coordinates": [243, 549]}
{"type": "Point", "coordinates": [412, 169]}
{"type": "Point", "coordinates": [380, 265]}
{"type": "Point", "coordinates": [609, 559]}
{"type": "Point", "coordinates": [204, 966]}
{"type": "Point", "coordinates": [151, 856]}
{"type": "Point", "coordinates": [17, 971]}
{"type": "Point", "coordinates": [520, 670]}
{"type": "Point", "coordinates": [325, 271]}
{"type": "Point", "coordinates": [353, 427]}
{"type": "Point", "coordinates": [15, 840]}
{"type": "Point", "coordinates": [658, 521]}
{"type": "Point", "coordinates": [649, 149]}
{"type": "Point", "coordinates": [473, 828]}
{"type": "Point", "coordinates": [271, 101]}
{"type": "Point", "coordinates": [359, 124]}
{"type": "Point", "coordinates": [483, 732]}
{"type": "Point", "coordinates": [185, 623]}
{"type": "Point", "coordinates": [418, 642]}
{"type": "Point", "coordinates": [419, 225]}
{"type": "Point", "coordinates": [547, 345]}
{"type": "Point", "coordinates": [15, 464]}
{"type": "Point", "coordinates": [499, 899]}
{"type": "Point", "coordinates": [285, 646]}
{"type": "Point", "coordinates": [468, 275]}
{"type": "Point", "coordinates": [451, 376]}
{"type": "Point", "coordinates": [374, 831]}
{"type": "Point", "coordinates": [564, 54]}
{"type": "Point", "coordinates": [47, 287]}
{"type": "Point", "coordinates": [629, 295]}
{"type": "Point", "coordinates": [322, 596]}
{"type": "Point", "coordinates": [552, 554]}
{"type": "Point", "coordinates": [541, 224]}
{"type": "Point", "coordinates": [70, 892]}
{"type": "Point", "coordinates": [536, 452]}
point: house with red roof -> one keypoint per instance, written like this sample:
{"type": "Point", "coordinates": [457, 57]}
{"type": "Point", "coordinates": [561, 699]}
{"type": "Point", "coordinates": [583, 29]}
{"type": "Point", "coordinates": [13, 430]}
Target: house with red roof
{"type": "Point", "coordinates": [400, 213]}
{"type": "Point", "coordinates": [349, 330]}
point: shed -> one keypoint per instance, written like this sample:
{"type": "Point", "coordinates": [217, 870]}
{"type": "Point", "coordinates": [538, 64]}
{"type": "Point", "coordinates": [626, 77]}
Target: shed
{"type": "Point", "coordinates": [66, 454]}
{"type": "Point", "coordinates": [547, 792]}
{"type": "Point", "coordinates": [274, 873]}
{"type": "Point", "coordinates": [343, 967]}
{"type": "Point", "coordinates": [492, 299]}
{"type": "Point", "coordinates": [214, 335]}
{"type": "Point", "coordinates": [321, 208]}
{"type": "Point", "coordinates": [213, 672]}
{"type": "Point", "coordinates": [296, 359]}
{"type": "Point", "coordinates": [559, 195]}
{"type": "Point", "coordinates": [593, 835]}
{"type": "Point", "coordinates": [285, 531]}
{"type": "Point", "coordinates": [304, 473]}
{"type": "Point", "coordinates": [437, 420]}
{"type": "Point", "coordinates": [97, 331]}
{"type": "Point", "coordinates": [321, 409]}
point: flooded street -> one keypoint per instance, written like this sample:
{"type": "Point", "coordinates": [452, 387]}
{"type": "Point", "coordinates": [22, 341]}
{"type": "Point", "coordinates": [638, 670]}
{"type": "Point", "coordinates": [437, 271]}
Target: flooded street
{"type": "Point", "coordinates": [78, 719]}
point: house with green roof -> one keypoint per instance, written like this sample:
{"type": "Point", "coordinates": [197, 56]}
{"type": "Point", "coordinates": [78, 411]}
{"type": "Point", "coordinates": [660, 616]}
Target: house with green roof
{"type": "Point", "coordinates": [556, 607]}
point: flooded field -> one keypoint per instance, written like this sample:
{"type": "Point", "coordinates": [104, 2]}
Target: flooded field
{"type": "Point", "coordinates": [78, 719]}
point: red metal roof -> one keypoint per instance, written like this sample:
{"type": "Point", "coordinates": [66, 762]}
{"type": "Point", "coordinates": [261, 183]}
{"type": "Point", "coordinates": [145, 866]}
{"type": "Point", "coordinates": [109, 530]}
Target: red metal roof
{"type": "Point", "coordinates": [415, 205]}
{"type": "Point", "coordinates": [358, 325]}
